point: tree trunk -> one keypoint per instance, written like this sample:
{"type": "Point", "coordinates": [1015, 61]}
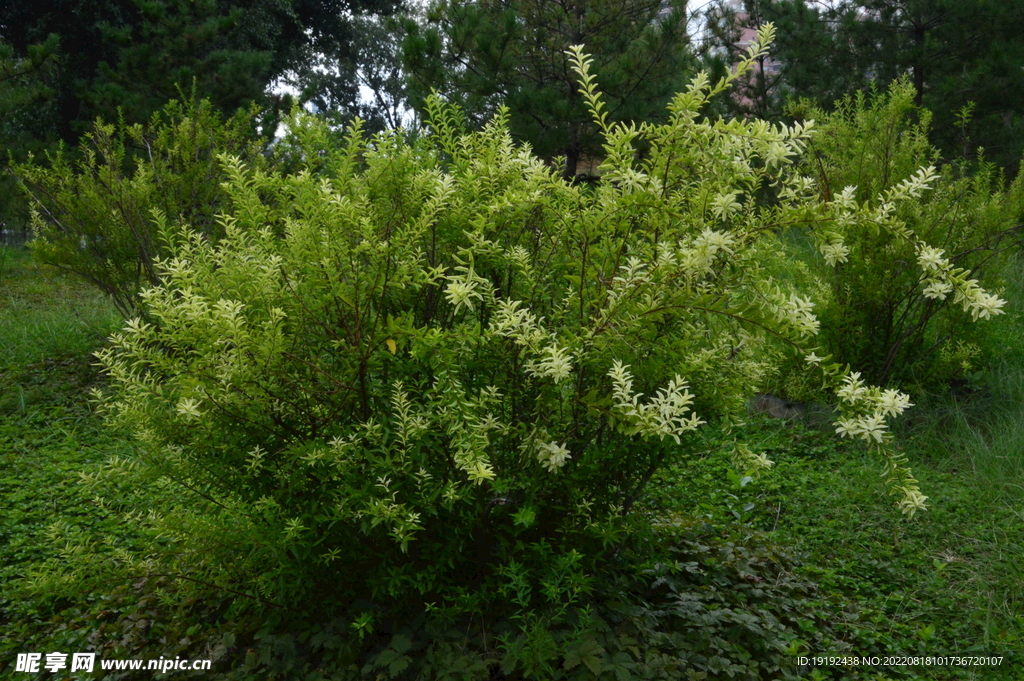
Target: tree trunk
{"type": "Point", "coordinates": [572, 159]}
{"type": "Point", "coordinates": [919, 34]}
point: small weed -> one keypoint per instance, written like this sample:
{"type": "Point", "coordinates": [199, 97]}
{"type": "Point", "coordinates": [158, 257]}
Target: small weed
{"type": "Point", "coordinates": [947, 582]}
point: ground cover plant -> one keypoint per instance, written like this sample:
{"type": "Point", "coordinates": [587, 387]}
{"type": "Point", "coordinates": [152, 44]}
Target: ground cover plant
{"type": "Point", "coordinates": [45, 318]}
{"type": "Point", "coordinates": [949, 581]}
{"type": "Point", "coordinates": [946, 583]}
{"type": "Point", "coordinates": [50, 435]}
{"type": "Point", "coordinates": [401, 418]}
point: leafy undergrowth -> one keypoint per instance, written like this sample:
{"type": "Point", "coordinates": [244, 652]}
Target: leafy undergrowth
{"type": "Point", "coordinates": [49, 436]}
{"type": "Point", "coordinates": [47, 430]}
{"type": "Point", "coordinates": [46, 442]}
{"type": "Point", "coordinates": [717, 601]}
{"type": "Point", "coordinates": [947, 582]}
{"type": "Point", "coordinates": [707, 602]}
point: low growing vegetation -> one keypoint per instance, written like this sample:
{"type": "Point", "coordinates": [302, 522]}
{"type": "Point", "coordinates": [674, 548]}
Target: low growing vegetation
{"type": "Point", "coordinates": [415, 407]}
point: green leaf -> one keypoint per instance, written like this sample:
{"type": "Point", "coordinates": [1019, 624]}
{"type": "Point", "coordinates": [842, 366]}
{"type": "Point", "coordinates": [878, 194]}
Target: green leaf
{"type": "Point", "coordinates": [525, 517]}
{"type": "Point", "coordinates": [587, 652]}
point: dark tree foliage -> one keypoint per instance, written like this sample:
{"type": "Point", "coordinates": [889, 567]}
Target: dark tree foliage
{"type": "Point", "coordinates": [957, 52]}
{"type": "Point", "coordinates": [729, 26]}
{"type": "Point", "coordinates": [136, 55]}
{"type": "Point", "coordinates": [367, 81]}
{"type": "Point", "coordinates": [26, 109]}
{"type": "Point", "coordinates": [65, 63]}
{"type": "Point", "coordinates": [485, 53]}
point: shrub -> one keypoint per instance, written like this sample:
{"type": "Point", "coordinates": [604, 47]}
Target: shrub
{"type": "Point", "coordinates": [882, 314]}
{"type": "Point", "coordinates": [433, 377]}
{"type": "Point", "coordinates": [94, 216]}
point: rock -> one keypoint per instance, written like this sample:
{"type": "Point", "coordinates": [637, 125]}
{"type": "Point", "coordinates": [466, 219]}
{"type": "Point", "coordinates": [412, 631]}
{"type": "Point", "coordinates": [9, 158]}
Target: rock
{"type": "Point", "coordinates": [776, 407]}
{"type": "Point", "coordinates": [818, 416]}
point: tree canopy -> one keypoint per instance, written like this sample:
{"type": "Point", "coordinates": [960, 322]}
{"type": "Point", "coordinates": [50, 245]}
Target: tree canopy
{"type": "Point", "coordinates": [65, 63]}
{"type": "Point", "coordinates": [959, 53]}
{"type": "Point", "coordinates": [485, 53]}
{"type": "Point", "coordinates": [129, 57]}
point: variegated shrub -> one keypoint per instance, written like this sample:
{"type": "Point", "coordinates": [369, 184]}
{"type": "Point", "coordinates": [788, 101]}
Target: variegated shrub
{"type": "Point", "coordinates": [414, 364]}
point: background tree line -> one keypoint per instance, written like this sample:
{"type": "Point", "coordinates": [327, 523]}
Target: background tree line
{"type": "Point", "coordinates": [64, 64]}
{"type": "Point", "coordinates": [964, 58]}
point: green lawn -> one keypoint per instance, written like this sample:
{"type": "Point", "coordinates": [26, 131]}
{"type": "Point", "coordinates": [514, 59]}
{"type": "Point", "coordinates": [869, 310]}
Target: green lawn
{"type": "Point", "coordinates": [49, 436]}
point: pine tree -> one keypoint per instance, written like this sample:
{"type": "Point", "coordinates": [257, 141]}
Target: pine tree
{"type": "Point", "coordinates": [486, 53]}
{"type": "Point", "coordinates": [123, 60]}
{"type": "Point", "coordinates": [27, 107]}
{"type": "Point", "coordinates": [957, 52]}
{"type": "Point", "coordinates": [130, 57]}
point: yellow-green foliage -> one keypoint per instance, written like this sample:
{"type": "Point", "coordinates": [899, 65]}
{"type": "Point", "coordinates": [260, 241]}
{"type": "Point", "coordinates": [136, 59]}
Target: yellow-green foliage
{"type": "Point", "coordinates": [893, 320]}
{"type": "Point", "coordinates": [93, 215]}
{"type": "Point", "coordinates": [433, 372]}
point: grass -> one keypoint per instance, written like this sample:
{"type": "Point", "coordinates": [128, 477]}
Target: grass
{"type": "Point", "coordinates": [981, 437]}
{"type": "Point", "coordinates": [949, 581]}
{"type": "Point", "coordinates": [49, 436]}
{"type": "Point", "coordinates": [983, 434]}
{"type": "Point", "coordinates": [45, 316]}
